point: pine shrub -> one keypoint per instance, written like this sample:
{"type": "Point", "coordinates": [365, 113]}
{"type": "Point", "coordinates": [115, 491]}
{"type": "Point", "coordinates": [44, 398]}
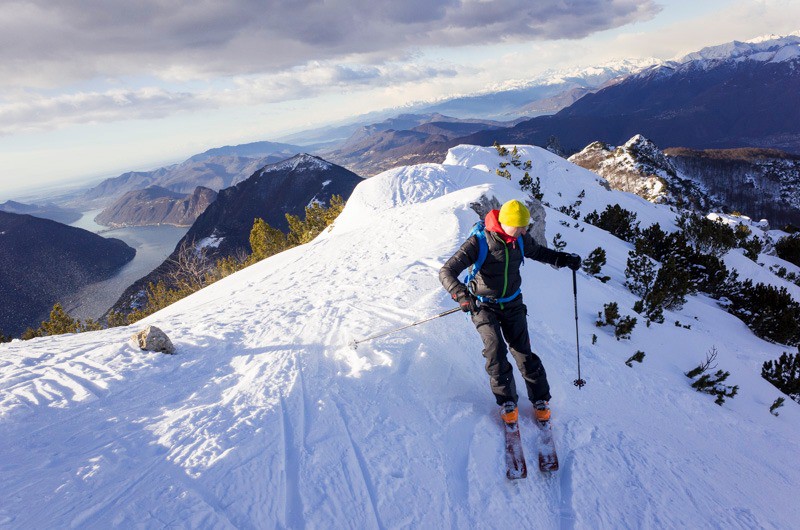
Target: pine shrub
{"type": "Point", "coordinates": [59, 323]}
{"type": "Point", "coordinates": [640, 273]}
{"type": "Point", "coordinates": [654, 242]}
{"type": "Point", "coordinates": [502, 151]}
{"type": "Point", "coordinates": [593, 264]}
{"type": "Point", "coordinates": [784, 374]}
{"type": "Point", "coordinates": [266, 241]}
{"type": "Point", "coordinates": [778, 403]}
{"type": "Point", "coordinates": [636, 357]}
{"type": "Point", "coordinates": [712, 384]}
{"type": "Point", "coordinates": [526, 182]}
{"type": "Point", "coordinates": [707, 236]}
{"type": "Point", "coordinates": [609, 315]}
{"type": "Point", "coordinates": [788, 248]}
{"type": "Point", "coordinates": [624, 327]}
{"type": "Point", "coordinates": [558, 243]}
{"type": "Point", "coordinates": [617, 221]}
{"type": "Point", "coordinates": [770, 312]}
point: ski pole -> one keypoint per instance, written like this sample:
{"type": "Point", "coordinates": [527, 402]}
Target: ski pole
{"type": "Point", "coordinates": [355, 343]}
{"type": "Point", "coordinates": [578, 382]}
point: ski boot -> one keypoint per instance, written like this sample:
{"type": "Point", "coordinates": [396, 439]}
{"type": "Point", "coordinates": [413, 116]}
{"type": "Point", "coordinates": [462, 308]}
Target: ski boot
{"type": "Point", "coordinates": [509, 412]}
{"type": "Point", "coordinates": [541, 411]}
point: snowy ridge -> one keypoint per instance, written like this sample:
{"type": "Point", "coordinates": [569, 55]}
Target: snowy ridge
{"type": "Point", "coordinates": [594, 75]}
{"type": "Point", "coordinates": [302, 161]}
{"type": "Point", "coordinates": [640, 167]}
{"type": "Point", "coordinates": [775, 49]}
{"type": "Point", "coordinates": [266, 418]}
{"type": "Point", "coordinates": [767, 48]}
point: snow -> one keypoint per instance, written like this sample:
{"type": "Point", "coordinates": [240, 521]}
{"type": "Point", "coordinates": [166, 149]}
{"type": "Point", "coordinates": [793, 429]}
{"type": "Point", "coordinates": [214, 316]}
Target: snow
{"type": "Point", "coordinates": [761, 49]}
{"type": "Point", "coordinates": [211, 241]}
{"type": "Point", "coordinates": [302, 162]}
{"type": "Point", "coordinates": [266, 418]}
{"type": "Point", "coordinates": [771, 48]}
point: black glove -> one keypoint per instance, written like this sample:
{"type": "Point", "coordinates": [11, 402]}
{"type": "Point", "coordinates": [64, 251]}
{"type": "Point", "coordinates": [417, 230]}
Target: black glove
{"type": "Point", "coordinates": [573, 261]}
{"type": "Point", "coordinates": [468, 303]}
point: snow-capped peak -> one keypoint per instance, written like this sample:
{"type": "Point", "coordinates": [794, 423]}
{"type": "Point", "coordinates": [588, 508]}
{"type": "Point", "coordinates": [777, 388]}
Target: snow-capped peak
{"type": "Point", "coordinates": [640, 167]}
{"type": "Point", "coordinates": [302, 161]}
{"type": "Point", "coordinates": [766, 49]}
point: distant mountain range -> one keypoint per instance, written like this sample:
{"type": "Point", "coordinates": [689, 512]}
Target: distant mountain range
{"type": "Point", "coordinates": [42, 261]}
{"type": "Point", "coordinates": [157, 206]}
{"type": "Point", "coordinates": [270, 193]}
{"type": "Point", "coordinates": [45, 211]}
{"type": "Point", "coordinates": [729, 96]}
{"type": "Point", "coordinates": [544, 94]}
{"type": "Point", "coordinates": [403, 141]}
{"type": "Point", "coordinates": [214, 169]}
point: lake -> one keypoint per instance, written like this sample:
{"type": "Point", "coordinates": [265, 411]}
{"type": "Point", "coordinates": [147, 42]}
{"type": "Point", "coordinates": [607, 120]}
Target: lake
{"type": "Point", "coordinates": [152, 243]}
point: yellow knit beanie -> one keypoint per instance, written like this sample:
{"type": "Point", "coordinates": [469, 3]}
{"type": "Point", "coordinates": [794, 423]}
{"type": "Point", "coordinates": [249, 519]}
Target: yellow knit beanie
{"type": "Point", "coordinates": [514, 213]}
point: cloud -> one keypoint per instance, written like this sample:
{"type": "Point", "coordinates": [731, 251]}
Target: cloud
{"type": "Point", "coordinates": [48, 113]}
{"type": "Point", "coordinates": [43, 113]}
{"type": "Point", "coordinates": [47, 42]}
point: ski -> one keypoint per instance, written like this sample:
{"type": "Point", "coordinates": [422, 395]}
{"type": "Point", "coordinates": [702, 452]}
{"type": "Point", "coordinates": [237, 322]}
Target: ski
{"type": "Point", "coordinates": [515, 459]}
{"type": "Point", "coordinates": [548, 459]}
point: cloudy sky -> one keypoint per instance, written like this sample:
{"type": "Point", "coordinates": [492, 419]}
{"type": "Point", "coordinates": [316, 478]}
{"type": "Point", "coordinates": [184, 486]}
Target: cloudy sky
{"type": "Point", "coordinates": [92, 88]}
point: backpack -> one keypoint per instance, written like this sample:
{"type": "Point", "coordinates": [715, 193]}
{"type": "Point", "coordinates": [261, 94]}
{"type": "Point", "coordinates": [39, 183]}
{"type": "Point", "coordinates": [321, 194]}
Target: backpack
{"type": "Point", "coordinates": [479, 230]}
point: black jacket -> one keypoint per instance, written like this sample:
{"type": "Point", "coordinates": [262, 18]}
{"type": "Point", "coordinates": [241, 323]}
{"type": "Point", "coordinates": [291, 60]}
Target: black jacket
{"type": "Point", "coordinates": [495, 279]}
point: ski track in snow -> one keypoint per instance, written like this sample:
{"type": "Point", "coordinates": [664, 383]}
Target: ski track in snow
{"type": "Point", "coordinates": [266, 418]}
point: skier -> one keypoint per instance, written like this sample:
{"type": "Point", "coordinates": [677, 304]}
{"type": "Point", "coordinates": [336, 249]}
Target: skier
{"type": "Point", "coordinates": [491, 294]}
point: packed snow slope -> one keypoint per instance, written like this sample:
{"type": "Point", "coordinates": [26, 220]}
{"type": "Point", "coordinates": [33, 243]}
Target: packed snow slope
{"type": "Point", "coordinates": [266, 418]}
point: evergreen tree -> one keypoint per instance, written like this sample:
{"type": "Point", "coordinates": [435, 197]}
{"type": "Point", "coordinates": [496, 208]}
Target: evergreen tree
{"type": "Point", "coordinates": [707, 236]}
{"type": "Point", "coordinates": [672, 284]}
{"type": "Point", "coordinates": [624, 327]}
{"type": "Point", "coordinates": [558, 243]}
{"type": "Point", "coordinates": [770, 312]}
{"type": "Point", "coordinates": [654, 242]}
{"type": "Point", "coordinates": [712, 384]}
{"type": "Point", "coordinates": [617, 221]}
{"type": "Point", "coordinates": [502, 151]}
{"type": "Point", "coordinates": [594, 262]}
{"type": "Point", "coordinates": [266, 241]}
{"type": "Point", "coordinates": [536, 189]}
{"type": "Point", "coordinates": [609, 315]}
{"type": "Point", "coordinates": [526, 182]}
{"type": "Point", "coordinates": [636, 357]}
{"type": "Point", "coordinates": [752, 247]}
{"type": "Point", "coordinates": [788, 248]}
{"type": "Point", "coordinates": [640, 273]}
{"type": "Point", "coordinates": [784, 374]}
{"type": "Point", "coordinates": [59, 323]}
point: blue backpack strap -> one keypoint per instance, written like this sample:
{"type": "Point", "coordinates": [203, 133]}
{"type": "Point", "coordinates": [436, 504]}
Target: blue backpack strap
{"type": "Point", "coordinates": [478, 230]}
{"type": "Point", "coordinates": [521, 249]}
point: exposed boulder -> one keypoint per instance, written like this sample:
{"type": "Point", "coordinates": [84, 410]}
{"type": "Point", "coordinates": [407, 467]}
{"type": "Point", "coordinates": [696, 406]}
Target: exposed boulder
{"type": "Point", "coordinates": [152, 338]}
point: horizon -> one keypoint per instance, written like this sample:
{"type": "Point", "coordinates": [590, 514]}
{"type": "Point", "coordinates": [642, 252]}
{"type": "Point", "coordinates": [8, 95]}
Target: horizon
{"type": "Point", "coordinates": [104, 103]}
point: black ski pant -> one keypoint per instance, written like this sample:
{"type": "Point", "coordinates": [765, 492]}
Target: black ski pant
{"type": "Point", "coordinates": [497, 326]}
